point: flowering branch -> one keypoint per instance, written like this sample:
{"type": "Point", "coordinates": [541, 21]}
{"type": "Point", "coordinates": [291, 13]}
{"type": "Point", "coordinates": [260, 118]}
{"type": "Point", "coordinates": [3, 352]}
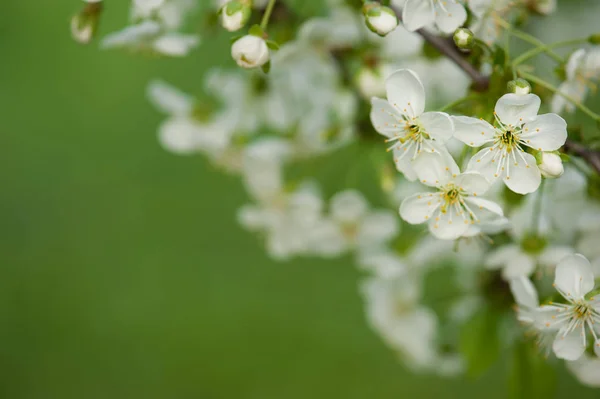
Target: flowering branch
{"type": "Point", "coordinates": [481, 82]}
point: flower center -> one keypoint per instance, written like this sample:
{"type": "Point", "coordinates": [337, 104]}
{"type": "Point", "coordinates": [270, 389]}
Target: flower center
{"type": "Point", "coordinates": [508, 139]}
{"type": "Point", "coordinates": [582, 310]}
{"type": "Point", "coordinates": [450, 195]}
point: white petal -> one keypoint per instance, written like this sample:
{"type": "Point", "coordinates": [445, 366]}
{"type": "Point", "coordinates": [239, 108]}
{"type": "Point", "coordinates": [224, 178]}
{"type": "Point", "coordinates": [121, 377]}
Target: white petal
{"type": "Point", "coordinates": [502, 256]}
{"type": "Point", "coordinates": [419, 208]}
{"type": "Point", "coordinates": [405, 92]}
{"type": "Point", "coordinates": [522, 177]}
{"type": "Point", "coordinates": [473, 132]}
{"type": "Point", "coordinates": [435, 169]}
{"type": "Point", "coordinates": [450, 225]}
{"type": "Point", "coordinates": [417, 14]}
{"type": "Point", "coordinates": [377, 228]}
{"type": "Point", "coordinates": [327, 239]}
{"type": "Point", "coordinates": [402, 159]}
{"type": "Point", "coordinates": [485, 210]}
{"type": "Point", "coordinates": [516, 109]}
{"type": "Point", "coordinates": [169, 99]}
{"type": "Point", "coordinates": [449, 15]}
{"type": "Point", "coordinates": [550, 257]}
{"type": "Point", "coordinates": [486, 163]}
{"type": "Point", "coordinates": [179, 135]}
{"type": "Point", "coordinates": [473, 183]}
{"type": "Point", "coordinates": [438, 125]}
{"type": "Point", "coordinates": [520, 265]}
{"type": "Point", "coordinates": [348, 206]}
{"type": "Point", "coordinates": [574, 276]}
{"type": "Point", "coordinates": [569, 346]}
{"type": "Point", "coordinates": [546, 132]}
{"type": "Point", "coordinates": [575, 89]}
{"type": "Point", "coordinates": [385, 118]}
{"type": "Point", "coordinates": [524, 292]}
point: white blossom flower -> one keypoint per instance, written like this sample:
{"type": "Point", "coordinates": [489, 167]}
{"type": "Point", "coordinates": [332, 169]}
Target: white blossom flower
{"type": "Point", "coordinates": [574, 280]}
{"type": "Point", "coordinates": [352, 225]}
{"type": "Point", "coordinates": [149, 36]}
{"type": "Point", "coordinates": [518, 126]}
{"type": "Point", "coordinates": [456, 205]}
{"type": "Point", "coordinates": [446, 14]}
{"type": "Point", "coordinates": [250, 51]}
{"type": "Point", "coordinates": [188, 129]}
{"type": "Point", "coordinates": [488, 15]}
{"type": "Point", "coordinates": [583, 67]}
{"type": "Point", "coordinates": [402, 119]}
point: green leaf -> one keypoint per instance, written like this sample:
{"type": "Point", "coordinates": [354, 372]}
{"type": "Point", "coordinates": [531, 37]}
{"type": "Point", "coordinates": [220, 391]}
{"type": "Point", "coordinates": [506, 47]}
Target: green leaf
{"type": "Point", "coordinates": [267, 67]}
{"type": "Point", "coordinates": [272, 45]}
{"type": "Point", "coordinates": [479, 341]}
{"type": "Point", "coordinates": [530, 376]}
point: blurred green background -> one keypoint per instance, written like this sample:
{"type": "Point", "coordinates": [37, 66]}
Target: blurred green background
{"type": "Point", "coordinates": [123, 271]}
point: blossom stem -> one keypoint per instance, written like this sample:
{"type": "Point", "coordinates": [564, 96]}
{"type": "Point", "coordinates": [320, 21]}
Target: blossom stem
{"type": "Point", "coordinates": [538, 50]}
{"type": "Point", "coordinates": [552, 88]}
{"type": "Point", "coordinates": [455, 103]}
{"type": "Point", "coordinates": [267, 15]}
{"type": "Point", "coordinates": [530, 39]}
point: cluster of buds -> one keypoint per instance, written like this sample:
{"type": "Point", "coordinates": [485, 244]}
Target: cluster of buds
{"type": "Point", "coordinates": [379, 19]}
{"type": "Point", "coordinates": [85, 24]}
{"type": "Point", "coordinates": [235, 14]}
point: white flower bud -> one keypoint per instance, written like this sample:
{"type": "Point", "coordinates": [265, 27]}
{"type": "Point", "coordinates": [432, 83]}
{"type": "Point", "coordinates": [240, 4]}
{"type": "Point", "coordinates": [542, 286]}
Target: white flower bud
{"type": "Point", "coordinates": [371, 81]}
{"type": "Point", "coordinates": [543, 7]}
{"type": "Point", "coordinates": [519, 86]}
{"type": "Point", "coordinates": [551, 165]}
{"type": "Point", "coordinates": [235, 14]}
{"type": "Point", "coordinates": [85, 24]}
{"type": "Point", "coordinates": [381, 20]}
{"type": "Point", "coordinates": [464, 39]}
{"type": "Point", "coordinates": [250, 52]}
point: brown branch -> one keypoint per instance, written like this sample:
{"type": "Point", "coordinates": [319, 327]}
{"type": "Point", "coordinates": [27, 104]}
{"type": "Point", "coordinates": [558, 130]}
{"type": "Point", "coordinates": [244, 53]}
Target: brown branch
{"type": "Point", "coordinates": [591, 157]}
{"type": "Point", "coordinates": [481, 83]}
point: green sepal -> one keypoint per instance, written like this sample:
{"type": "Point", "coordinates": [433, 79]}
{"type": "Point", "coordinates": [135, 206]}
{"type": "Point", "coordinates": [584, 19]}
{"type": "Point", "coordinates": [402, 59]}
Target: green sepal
{"type": "Point", "coordinates": [267, 67]}
{"type": "Point", "coordinates": [235, 38]}
{"type": "Point", "coordinates": [256, 30]}
{"type": "Point", "coordinates": [272, 45]}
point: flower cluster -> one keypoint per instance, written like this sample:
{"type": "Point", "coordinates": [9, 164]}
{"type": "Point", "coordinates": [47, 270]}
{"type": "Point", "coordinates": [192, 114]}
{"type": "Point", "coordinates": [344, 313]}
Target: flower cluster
{"type": "Point", "coordinates": [480, 188]}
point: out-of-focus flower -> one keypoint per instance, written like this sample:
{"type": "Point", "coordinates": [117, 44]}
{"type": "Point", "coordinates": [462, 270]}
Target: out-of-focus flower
{"type": "Point", "coordinates": [551, 165]}
{"type": "Point", "coordinates": [402, 119]}
{"type": "Point", "coordinates": [379, 19]}
{"type": "Point", "coordinates": [371, 80]}
{"type": "Point", "coordinates": [457, 203]}
{"type": "Point", "coordinates": [487, 15]}
{"type": "Point", "coordinates": [352, 225]}
{"type": "Point", "coordinates": [518, 125]}
{"type": "Point", "coordinates": [583, 67]}
{"type": "Point", "coordinates": [543, 7]}
{"type": "Point", "coordinates": [148, 36]}
{"type": "Point", "coordinates": [235, 14]}
{"type": "Point", "coordinates": [574, 280]}
{"type": "Point", "coordinates": [341, 29]}
{"type": "Point", "coordinates": [447, 15]}
{"type": "Point", "coordinates": [250, 51]}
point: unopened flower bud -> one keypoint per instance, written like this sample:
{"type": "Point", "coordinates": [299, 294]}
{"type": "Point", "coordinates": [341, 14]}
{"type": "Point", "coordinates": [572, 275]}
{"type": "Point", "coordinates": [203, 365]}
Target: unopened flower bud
{"type": "Point", "coordinates": [85, 24]}
{"type": "Point", "coordinates": [371, 81]}
{"type": "Point", "coordinates": [519, 86]}
{"type": "Point", "coordinates": [380, 19]}
{"type": "Point", "coordinates": [550, 165]}
{"type": "Point", "coordinates": [235, 14]}
{"type": "Point", "coordinates": [464, 39]}
{"type": "Point", "coordinates": [594, 39]}
{"type": "Point", "coordinates": [543, 7]}
{"type": "Point", "coordinates": [250, 51]}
